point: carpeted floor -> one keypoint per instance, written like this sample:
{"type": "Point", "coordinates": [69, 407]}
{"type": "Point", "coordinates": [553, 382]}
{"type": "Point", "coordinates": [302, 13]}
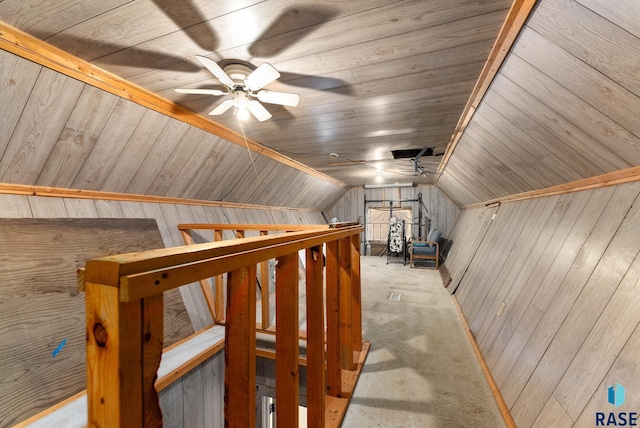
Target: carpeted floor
{"type": "Point", "coordinates": [421, 370]}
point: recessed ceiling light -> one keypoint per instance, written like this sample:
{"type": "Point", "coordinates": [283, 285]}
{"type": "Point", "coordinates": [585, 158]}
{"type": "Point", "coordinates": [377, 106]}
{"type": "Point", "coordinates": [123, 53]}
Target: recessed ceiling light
{"type": "Point", "coordinates": [334, 155]}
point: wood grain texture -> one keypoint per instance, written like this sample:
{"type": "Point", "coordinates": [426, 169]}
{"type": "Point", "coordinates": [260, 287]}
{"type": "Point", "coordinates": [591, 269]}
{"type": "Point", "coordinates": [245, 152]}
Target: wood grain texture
{"type": "Point", "coordinates": [78, 137]}
{"type": "Point", "coordinates": [550, 238]}
{"type": "Point", "coordinates": [240, 346]}
{"type": "Point", "coordinates": [287, 347]}
{"type": "Point", "coordinates": [626, 366]}
{"type": "Point", "coordinates": [567, 277]}
{"type": "Point", "coordinates": [43, 118]}
{"type": "Point", "coordinates": [325, 64]}
{"type": "Point", "coordinates": [466, 237]}
{"type": "Point", "coordinates": [50, 304]}
{"type": "Point", "coordinates": [626, 15]}
{"type": "Point", "coordinates": [511, 28]}
{"type": "Point", "coordinates": [17, 78]}
{"type": "Point", "coordinates": [581, 32]}
{"type": "Point", "coordinates": [334, 372]}
{"type": "Point", "coordinates": [16, 41]}
{"type": "Point", "coordinates": [316, 383]}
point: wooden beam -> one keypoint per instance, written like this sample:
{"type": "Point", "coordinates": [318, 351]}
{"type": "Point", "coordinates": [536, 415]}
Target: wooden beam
{"type": "Point", "coordinates": [264, 290]}
{"type": "Point", "coordinates": [513, 24]}
{"type": "Point", "coordinates": [219, 287]}
{"type": "Point", "coordinates": [159, 274]}
{"type": "Point", "coordinates": [58, 192]}
{"type": "Point", "coordinates": [152, 340]}
{"type": "Point", "coordinates": [205, 286]}
{"type": "Point", "coordinates": [628, 175]}
{"type": "Point", "coordinates": [40, 52]}
{"type": "Point", "coordinates": [287, 349]}
{"type": "Point", "coordinates": [346, 304]}
{"type": "Point", "coordinates": [258, 227]}
{"type": "Point", "coordinates": [356, 294]}
{"type": "Point", "coordinates": [316, 386]}
{"type": "Point", "coordinates": [240, 349]}
{"type": "Point", "coordinates": [120, 387]}
{"type": "Point", "coordinates": [334, 369]}
{"type": "Point", "coordinates": [271, 354]}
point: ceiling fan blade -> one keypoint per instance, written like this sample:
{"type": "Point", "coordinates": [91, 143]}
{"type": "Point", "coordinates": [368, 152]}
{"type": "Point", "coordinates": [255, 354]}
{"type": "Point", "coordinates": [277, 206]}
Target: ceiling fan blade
{"type": "Point", "coordinates": [282, 98]}
{"type": "Point", "coordinates": [216, 70]}
{"type": "Point", "coordinates": [303, 20]}
{"type": "Point", "coordinates": [222, 107]}
{"type": "Point", "coordinates": [214, 92]}
{"type": "Point", "coordinates": [187, 16]}
{"type": "Point", "coordinates": [258, 110]}
{"type": "Point", "coordinates": [261, 77]}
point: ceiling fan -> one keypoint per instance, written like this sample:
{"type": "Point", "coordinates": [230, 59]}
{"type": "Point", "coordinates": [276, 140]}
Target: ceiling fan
{"type": "Point", "coordinates": [242, 84]}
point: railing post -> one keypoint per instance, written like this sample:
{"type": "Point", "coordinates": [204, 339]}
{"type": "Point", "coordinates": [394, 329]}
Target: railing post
{"type": "Point", "coordinates": [346, 303]}
{"type": "Point", "coordinates": [240, 349]}
{"type": "Point", "coordinates": [334, 366]}
{"type": "Point", "coordinates": [287, 368]}
{"type": "Point", "coordinates": [205, 286]}
{"type": "Point", "coordinates": [356, 296]}
{"type": "Point", "coordinates": [219, 286]}
{"type": "Point", "coordinates": [124, 347]}
{"type": "Point", "coordinates": [316, 387]}
{"type": "Point", "coordinates": [264, 290]}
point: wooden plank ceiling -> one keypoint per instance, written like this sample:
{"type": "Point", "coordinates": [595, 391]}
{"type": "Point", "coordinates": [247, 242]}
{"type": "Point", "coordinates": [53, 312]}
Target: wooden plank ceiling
{"type": "Point", "coordinates": [373, 76]}
{"type": "Point", "coordinates": [563, 107]}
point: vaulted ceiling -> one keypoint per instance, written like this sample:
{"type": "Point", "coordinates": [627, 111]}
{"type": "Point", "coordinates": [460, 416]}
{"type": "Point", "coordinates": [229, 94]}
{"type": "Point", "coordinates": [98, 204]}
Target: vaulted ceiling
{"type": "Point", "coordinates": [373, 76]}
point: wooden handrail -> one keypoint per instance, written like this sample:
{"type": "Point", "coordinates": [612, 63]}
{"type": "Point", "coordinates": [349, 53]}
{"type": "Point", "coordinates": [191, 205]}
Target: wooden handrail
{"type": "Point", "coordinates": [124, 324]}
{"type": "Point", "coordinates": [256, 227]}
{"type": "Point", "coordinates": [215, 300]}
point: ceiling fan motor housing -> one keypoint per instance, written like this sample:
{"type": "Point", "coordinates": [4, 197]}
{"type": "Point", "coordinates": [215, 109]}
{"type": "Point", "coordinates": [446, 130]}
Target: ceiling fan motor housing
{"type": "Point", "coordinates": [237, 73]}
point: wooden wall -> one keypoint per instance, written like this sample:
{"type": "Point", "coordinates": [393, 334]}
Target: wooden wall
{"type": "Point", "coordinates": [196, 400]}
{"type": "Point", "coordinates": [441, 210]}
{"type": "Point", "coordinates": [56, 131]}
{"type": "Point", "coordinates": [567, 269]}
{"type": "Point", "coordinates": [562, 108]}
{"type": "Point", "coordinates": [168, 216]}
{"type": "Point", "coordinates": [42, 312]}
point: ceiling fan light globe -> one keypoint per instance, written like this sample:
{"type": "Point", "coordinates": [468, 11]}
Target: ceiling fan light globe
{"type": "Point", "coordinates": [243, 113]}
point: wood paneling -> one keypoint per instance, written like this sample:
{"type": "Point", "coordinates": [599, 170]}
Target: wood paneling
{"type": "Point", "coordinates": [352, 57]}
{"type": "Point", "coordinates": [566, 269]}
{"type": "Point", "coordinates": [195, 400]}
{"type": "Point", "coordinates": [76, 136]}
{"type": "Point", "coordinates": [43, 311]}
{"type": "Point", "coordinates": [559, 109]}
{"type": "Point", "coordinates": [49, 106]}
{"type": "Point", "coordinates": [439, 208]}
{"type": "Point", "coordinates": [167, 218]}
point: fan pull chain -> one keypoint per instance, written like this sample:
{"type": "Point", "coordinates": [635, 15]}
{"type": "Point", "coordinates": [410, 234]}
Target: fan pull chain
{"type": "Point", "coordinates": [249, 150]}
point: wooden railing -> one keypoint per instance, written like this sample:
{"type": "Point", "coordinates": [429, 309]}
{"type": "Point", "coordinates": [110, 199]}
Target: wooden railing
{"type": "Point", "coordinates": [215, 299]}
{"type": "Point", "coordinates": [125, 325]}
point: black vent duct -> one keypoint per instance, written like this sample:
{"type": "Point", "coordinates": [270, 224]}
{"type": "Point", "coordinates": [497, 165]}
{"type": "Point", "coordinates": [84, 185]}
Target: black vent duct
{"type": "Point", "coordinates": [411, 153]}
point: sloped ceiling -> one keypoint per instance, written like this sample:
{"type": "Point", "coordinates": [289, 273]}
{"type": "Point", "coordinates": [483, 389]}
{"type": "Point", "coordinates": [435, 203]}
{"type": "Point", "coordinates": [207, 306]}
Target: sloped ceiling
{"type": "Point", "coordinates": [564, 106]}
{"type": "Point", "coordinates": [59, 132]}
{"type": "Point", "coordinates": [372, 75]}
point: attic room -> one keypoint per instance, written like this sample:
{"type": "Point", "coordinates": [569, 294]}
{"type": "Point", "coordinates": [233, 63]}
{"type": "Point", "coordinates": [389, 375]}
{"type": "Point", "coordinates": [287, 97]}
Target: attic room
{"type": "Point", "coordinates": [172, 173]}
